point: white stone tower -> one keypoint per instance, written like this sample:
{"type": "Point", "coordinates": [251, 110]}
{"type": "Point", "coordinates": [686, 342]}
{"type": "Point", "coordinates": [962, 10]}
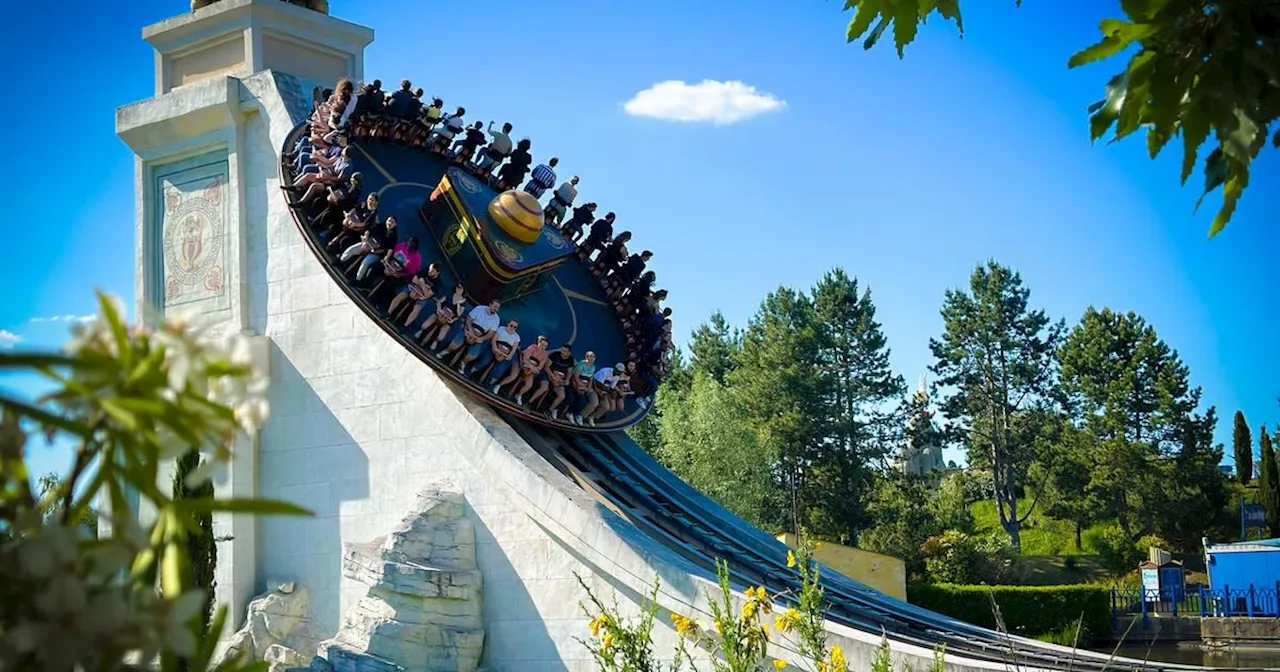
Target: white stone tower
{"type": "Point", "coordinates": [203, 161]}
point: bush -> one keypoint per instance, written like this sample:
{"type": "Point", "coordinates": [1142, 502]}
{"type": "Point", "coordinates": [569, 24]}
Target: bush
{"type": "Point", "coordinates": [956, 557]}
{"type": "Point", "coordinates": [1028, 611]}
{"type": "Point", "coordinates": [1116, 551]}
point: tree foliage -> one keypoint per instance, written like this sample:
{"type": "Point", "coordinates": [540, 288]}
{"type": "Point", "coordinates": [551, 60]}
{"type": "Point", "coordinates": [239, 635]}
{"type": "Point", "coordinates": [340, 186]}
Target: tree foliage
{"type": "Point", "coordinates": [1269, 481]}
{"type": "Point", "coordinates": [995, 360]}
{"type": "Point", "coordinates": [1242, 448]}
{"type": "Point", "coordinates": [1204, 70]}
{"type": "Point", "coordinates": [201, 547]}
{"type": "Point", "coordinates": [129, 399]}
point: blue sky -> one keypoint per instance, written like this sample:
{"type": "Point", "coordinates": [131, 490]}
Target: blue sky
{"type": "Point", "coordinates": [906, 173]}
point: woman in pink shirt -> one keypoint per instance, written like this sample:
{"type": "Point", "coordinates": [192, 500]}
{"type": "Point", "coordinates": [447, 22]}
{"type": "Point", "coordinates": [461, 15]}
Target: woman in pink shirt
{"type": "Point", "coordinates": [400, 264]}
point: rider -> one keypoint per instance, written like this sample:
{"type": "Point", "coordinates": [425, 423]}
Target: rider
{"type": "Point", "coordinates": [544, 177]}
{"type": "Point", "coordinates": [512, 173]}
{"type": "Point", "coordinates": [465, 147]}
{"type": "Point", "coordinates": [561, 201]}
{"type": "Point", "coordinates": [450, 126]}
{"type": "Point", "coordinates": [582, 216]}
{"type": "Point", "coordinates": [497, 151]}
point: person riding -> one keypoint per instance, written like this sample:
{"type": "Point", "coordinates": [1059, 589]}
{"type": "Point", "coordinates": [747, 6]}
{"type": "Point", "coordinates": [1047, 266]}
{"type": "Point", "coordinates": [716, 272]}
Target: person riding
{"type": "Point", "coordinates": [582, 216]}
{"type": "Point", "coordinates": [544, 177]}
{"type": "Point", "coordinates": [430, 117]}
{"type": "Point", "coordinates": [466, 146]}
{"type": "Point", "coordinates": [533, 360]}
{"type": "Point", "coordinates": [420, 289]}
{"type": "Point", "coordinates": [554, 377]}
{"type": "Point", "coordinates": [504, 349]}
{"type": "Point", "coordinates": [601, 234]}
{"type": "Point", "coordinates": [561, 201]}
{"type": "Point", "coordinates": [477, 328]}
{"type": "Point", "coordinates": [498, 150]}
{"type": "Point", "coordinates": [450, 125]}
{"type": "Point", "coordinates": [612, 256]}
{"type": "Point", "coordinates": [517, 166]}
{"type": "Point", "coordinates": [448, 310]}
{"type": "Point", "coordinates": [580, 385]}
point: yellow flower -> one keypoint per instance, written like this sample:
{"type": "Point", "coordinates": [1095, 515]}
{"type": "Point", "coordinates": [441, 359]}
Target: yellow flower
{"type": "Point", "coordinates": [817, 546]}
{"type": "Point", "coordinates": [837, 659]}
{"type": "Point", "coordinates": [597, 623]}
{"type": "Point", "coordinates": [779, 664]}
{"type": "Point", "coordinates": [748, 610]}
{"type": "Point", "coordinates": [683, 625]}
{"type": "Point", "coordinates": [780, 623]}
{"type": "Point", "coordinates": [793, 617]}
{"type": "Point", "coordinates": [606, 641]}
{"type": "Point", "coordinates": [791, 559]}
{"type": "Point", "coordinates": [822, 667]}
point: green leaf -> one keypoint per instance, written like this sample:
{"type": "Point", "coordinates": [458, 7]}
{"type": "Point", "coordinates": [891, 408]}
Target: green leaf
{"type": "Point", "coordinates": [1241, 140]}
{"type": "Point", "coordinates": [119, 331]}
{"type": "Point", "coordinates": [862, 17]}
{"type": "Point", "coordinates": [1195, 129]}
{"type": "Point", "coordinates": [950, 10]}
{"type": "Point", "coordinates": [268, 507]}
{"type": "Point", "coordinates": [1143, 9]}
{"type": "Point", "coordinates": [35, 360]}
{"type": "Point", "coordinates": [906, 17]}
{"type": "Point", "coordinates": [43, 417]}
{"type": "Point", "coordinates": [876, 33]}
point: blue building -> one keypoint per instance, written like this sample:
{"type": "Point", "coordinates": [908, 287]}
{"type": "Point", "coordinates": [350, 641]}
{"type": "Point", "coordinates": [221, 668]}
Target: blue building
{"type": "Point", "coordinates": [1245, 577]}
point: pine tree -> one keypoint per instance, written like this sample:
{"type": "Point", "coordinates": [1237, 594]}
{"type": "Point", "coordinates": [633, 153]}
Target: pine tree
{"type": "Point", "coordinates": [713, 346]}
{"type": "Point", "coordinates": [201, 548]}
{"type": "Point", "coordinates": [1242, 447]}
{"type": "Point", "coordinates": [1269, 482]}
{"type": "Point", "coordinates": [996, 356]}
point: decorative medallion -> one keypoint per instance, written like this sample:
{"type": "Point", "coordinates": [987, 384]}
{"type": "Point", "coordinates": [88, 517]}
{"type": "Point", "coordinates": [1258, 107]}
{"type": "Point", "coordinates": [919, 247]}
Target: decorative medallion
{"type": "Point", "coordinates": [466, 182]}
{"type": "Point", "coordinates": [452, 240]}
{"type": "Point", "coordinates": [508, 253]}
{"type": "Point", "coordinates": [192, 240]}
{"type": "Point", "coordinates": [554, 238]}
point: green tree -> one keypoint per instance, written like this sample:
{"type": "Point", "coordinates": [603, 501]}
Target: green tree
{"type": "Point", "coordinates": [1131, 392]}
{"type": "Point", "coordinates": [713, 347]}
{"type": "Point", "coordinates": [996, 359]}
{"type": "Point", "coordinates": [904, 520]}
{"type": "Point", "coordinates": [860, 421]}
{"type": "Point", "coordinates": [50, 488]}
{"type": "Point", "coordinates": [779, 381]}
{"type": "Point", "coordinates": [706, 443]}
{"type": "Point", "coordinates": [1072, 494]}
{"type": "Point", "coordinates": [1242, 448]}
{"type": "Point", "coordinates": [1196, 498]}
{"type": "Point", "coordinates": [1198, 68]}
{"type": "Point", "coordinates": [1269, 481]}
{"type": "Point", "coordinates": [201, 546]}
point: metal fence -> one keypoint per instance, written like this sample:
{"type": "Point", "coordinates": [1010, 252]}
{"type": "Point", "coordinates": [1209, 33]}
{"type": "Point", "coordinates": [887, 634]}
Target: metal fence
{"type": "Point", "coordinates": [1249, 601]}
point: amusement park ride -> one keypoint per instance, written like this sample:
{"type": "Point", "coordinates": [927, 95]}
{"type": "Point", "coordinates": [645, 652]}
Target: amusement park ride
{"type": "Point", "coordinates": [495, 244]}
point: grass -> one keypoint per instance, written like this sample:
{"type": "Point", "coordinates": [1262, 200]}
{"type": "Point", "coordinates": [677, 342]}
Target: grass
{"type": "Point", "coordinates": [1041, 535]}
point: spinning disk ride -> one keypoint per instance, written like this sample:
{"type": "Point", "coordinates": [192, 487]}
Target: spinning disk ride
{"type": "Point", "coordinates": [496, 246]}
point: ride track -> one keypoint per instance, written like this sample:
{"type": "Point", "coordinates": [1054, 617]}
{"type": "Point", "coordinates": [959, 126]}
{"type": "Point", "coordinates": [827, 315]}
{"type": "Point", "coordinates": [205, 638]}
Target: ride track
{"type": "Point", "coordinates": [610, 467]}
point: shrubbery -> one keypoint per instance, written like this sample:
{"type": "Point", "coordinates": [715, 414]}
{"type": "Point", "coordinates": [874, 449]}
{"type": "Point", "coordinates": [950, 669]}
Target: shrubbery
{"type": "Point", "coordinates": [1029, 611]}
{"type": "Point", "coordinates": [956, 557]}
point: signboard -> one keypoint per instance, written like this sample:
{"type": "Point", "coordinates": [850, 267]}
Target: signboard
{"type": "Point", "coordinates": [1150, 584]}
{"type": "Point", "coordinates": [1254, 515]}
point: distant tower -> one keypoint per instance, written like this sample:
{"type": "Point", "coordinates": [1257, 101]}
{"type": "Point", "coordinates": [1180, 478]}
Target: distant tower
{"type": "Point", "coordinates": [921, 452]}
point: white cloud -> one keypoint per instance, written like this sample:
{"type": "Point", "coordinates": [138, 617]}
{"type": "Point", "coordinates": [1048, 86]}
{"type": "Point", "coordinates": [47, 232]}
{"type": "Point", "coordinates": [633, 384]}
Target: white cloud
{"type": "Point", "coordinates": [62, 318]}
{"type": "Point", "coordinates": [709, 100]}
{"type": "Point", "coordinates": [8, 339]}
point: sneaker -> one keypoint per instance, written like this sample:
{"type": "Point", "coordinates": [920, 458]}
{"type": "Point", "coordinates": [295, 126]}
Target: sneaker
{"type": "Point", "coordinates": [643, 401]}
{"type": "Point", "coordinates": [555, 412]}
{"type": "Point", "coordinates": [591, 421]}
{"type": "Point", "coordinates": [462, 370]}
{"type": "Point", "coordinates": [495, 388]}
{"type": "Point", "coordinates": [519, 400]}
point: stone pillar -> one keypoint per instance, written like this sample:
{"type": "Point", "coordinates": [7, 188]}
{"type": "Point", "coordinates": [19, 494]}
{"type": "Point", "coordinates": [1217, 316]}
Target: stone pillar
{"type": "Point", "coordinates": [191, 198]}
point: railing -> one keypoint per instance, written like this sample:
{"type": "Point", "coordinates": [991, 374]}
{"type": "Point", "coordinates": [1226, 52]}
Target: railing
{"type": "Point", "coordinates": [1251, 601]}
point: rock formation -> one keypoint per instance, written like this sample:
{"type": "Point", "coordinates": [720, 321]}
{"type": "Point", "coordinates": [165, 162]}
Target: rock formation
{"type": "Point", "coordinates": [277, 630]}
{"type": "Point", "coordinates": [422, 612]}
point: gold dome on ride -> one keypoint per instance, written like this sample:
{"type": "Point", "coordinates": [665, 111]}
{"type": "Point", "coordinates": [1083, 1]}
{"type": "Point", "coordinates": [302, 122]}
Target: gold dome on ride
{"type": "Point", "coordinates": [518, 213]}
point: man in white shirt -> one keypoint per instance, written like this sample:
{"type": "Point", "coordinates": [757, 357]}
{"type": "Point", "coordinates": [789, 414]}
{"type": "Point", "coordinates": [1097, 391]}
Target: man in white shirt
{"type": "Point", "coordinates": [450, 125]}
{"type": "Point", "coordinates": [476, 332]}
{"type": "Point", "coordinates": [496, 152]}
{"type": "Point", "coordinates": [561, 201]}
{"type": "Point", "coordinates": [504, 347]}
{"type": "Point", "coordinates": [602, 384]}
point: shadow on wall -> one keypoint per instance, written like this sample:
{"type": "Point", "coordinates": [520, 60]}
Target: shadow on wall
{"type": "Point", "coordinates": [306, 457]}
{"type": "Point", "coordinates": [515, 630]}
